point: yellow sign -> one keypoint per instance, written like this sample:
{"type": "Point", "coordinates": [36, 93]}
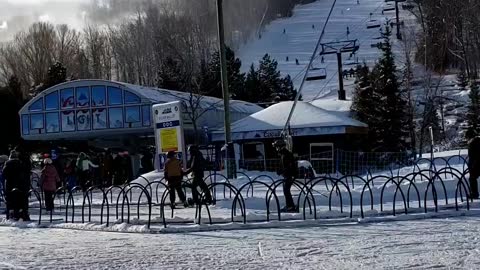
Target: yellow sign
{"type": "Point", "coordinates": [169, 139]}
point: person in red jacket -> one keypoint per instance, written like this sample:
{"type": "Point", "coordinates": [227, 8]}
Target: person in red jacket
{"type": "Point", "coordinates": [49, 179]}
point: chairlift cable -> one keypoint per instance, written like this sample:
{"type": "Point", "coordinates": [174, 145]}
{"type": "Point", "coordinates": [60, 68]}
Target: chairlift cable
{"type": "Point", "coordinates": [287, 124]}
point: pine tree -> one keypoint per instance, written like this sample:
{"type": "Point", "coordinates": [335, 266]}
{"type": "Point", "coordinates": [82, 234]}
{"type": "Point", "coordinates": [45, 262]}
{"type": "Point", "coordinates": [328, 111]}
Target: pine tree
{"type": "Point", "coordinates": [473, 114]}
{"type": "Point", "coordinates": [236, 78]}
{"type": "Point", "coordinates": [170, 75]}
{"type": "Point", "coordinates": [250, 91]}
{"type": "Point", "coordinates": [392, 129]}
{"type": "Point", "coordinates": [57, 74]}
{"type": "Point", "coordinates": [387, 117]}
{"type": "Point", "coordinates": [287, 91]}
{"type": "Point", "coordinates": [269, 77]}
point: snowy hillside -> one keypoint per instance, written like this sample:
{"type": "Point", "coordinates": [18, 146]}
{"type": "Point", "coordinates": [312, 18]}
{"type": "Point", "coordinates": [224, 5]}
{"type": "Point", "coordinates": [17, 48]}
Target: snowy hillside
{"type": "Point", "coordinates": [296, 37]}
{"type": "Point", "coordinates": [302, 31]}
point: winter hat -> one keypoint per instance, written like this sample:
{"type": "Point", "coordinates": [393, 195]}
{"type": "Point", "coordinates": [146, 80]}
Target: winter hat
{"type": "Point", "coordinates": [47, 161]}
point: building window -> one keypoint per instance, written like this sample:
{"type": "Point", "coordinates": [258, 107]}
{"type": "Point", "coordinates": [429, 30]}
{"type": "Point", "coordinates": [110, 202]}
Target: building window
{"type": "Point", "coordinates": [83, 120]}
{"type": "Point", "coordinates": [133, 117]}
{"type": "Point", "coordinates": [25, 124]}
{"type": "Point", "coordinates": [67, 98]}
{"type": "Point", "coordinates": [99, 96]}
{"type": "Point", "coordinates": [51, 101]}
{"type": "Point", "coordinates": [37, 106]}
{"type": "Point", "coordinates": [83, 96]}
{"type": "Point", "coordinates": [147, 115]}
{"type": "Point", "coordinates": [114, 96]}
{"type": "Point", "coordinates": [131, 98]}
{"type": "Point", "coordinates": [115, 117]}
{"type": "Point", "coordinates": [99, 118]}
{"type": "Point", "coordinates": [53, 122]}
{"type": "Point", "coordinates": [68, 121]}
{"type": "Point", "coordinates": [36, 123]}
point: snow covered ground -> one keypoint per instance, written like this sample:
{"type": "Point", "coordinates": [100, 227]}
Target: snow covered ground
{"type": "Point", "coordinates": [421, 244]}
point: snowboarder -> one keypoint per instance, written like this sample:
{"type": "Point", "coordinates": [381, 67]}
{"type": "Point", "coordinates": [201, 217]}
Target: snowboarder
{"type": "Point", "coordinates": [296, 62]}
{"type": "Point", "coordinates": [474, 165]}
{"type": "Point", "coordinates": [196, 163]}
{"type": "Point", "coordinates": [289, 170]}
{"type": "Point", "coordinates": [284, 30]}
{"type": "Point", "coordinates": [323, 59]}
{"type": "Point", "coordinates": [173, 175]}
{"type": "Point", "coordinates": [313, 26]}
{"type": "Point", "coordinates": [287, 59]}
{"type": "Point", "coordinates": [49, 181]}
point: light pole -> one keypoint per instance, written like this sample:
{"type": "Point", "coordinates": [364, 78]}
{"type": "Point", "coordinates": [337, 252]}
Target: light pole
{"type": "Point", "coordinates": [230, 154]}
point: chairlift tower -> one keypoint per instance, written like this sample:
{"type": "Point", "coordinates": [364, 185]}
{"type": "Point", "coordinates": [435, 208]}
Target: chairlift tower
{"type": "Point", "coordinates": [397, 15]}
{"type": "Point", "coordinates": [339, 47]}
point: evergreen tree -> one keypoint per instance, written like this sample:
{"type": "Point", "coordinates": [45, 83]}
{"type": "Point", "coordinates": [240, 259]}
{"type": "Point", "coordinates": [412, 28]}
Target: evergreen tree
{"type": "Point", "coordinates": [364, 104]}
{"type": "Point", "coordinates": [286, 91]}
{"type": "Point", "coordinates": [269, 78]}
{"type": "Point", "coordinates": [250, 91]}
{"type": "Point", "coordinates": [170, 75]}
{"type": "Point", "coordinates": [379, 102]}
{"type": "Point", "coordinates": [392, 116]}
{"type": "Point", "coordinates": [57, 74]}
{"type": "Point", "coordinates": [236, 79]}
{"type": "Point", "coordinates": [473, 114]}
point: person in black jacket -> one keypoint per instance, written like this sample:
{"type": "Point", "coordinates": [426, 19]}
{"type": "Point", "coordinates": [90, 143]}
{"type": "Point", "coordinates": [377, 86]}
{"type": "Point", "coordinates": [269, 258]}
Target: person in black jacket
{"type": "Point", "coordinates": [197, 167]}
{"type": "Point", "coordinates": [288, 169]}
{"type": "Point", "coordinates": [474, 165]}
{"type": "Point", "coordinates": [17, 184]}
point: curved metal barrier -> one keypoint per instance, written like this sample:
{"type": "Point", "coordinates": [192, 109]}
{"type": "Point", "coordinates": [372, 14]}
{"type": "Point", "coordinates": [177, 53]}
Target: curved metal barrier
{"type": "Point", "coordinates": [393, 192]}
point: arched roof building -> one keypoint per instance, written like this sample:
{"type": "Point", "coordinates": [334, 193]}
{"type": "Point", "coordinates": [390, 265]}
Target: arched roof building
{"type": "Point", "coordinates": [99, 109]}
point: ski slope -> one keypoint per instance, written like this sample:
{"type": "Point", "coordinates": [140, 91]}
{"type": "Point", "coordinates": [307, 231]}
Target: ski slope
{"type": "Point", "coordinates": [299, 40]}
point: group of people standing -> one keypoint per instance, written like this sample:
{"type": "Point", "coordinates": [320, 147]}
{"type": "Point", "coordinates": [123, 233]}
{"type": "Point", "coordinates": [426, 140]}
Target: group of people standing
{"type": "Point", "coordinates": [174, 173]}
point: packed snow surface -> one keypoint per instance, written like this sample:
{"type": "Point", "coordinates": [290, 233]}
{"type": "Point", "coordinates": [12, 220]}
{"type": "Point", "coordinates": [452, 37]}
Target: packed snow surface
{"type": "Point", "coordinates": [433, 243]}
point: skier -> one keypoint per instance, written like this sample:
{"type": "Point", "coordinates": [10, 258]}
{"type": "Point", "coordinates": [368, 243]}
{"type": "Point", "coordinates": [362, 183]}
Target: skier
{"type": "Point", "coordinates": [197, 168]}
{"type": "Point", "coordinates": [287, 59]}
{"type": "Point", "coordinates": [297, 62]}
{"type": "Point", "coordinates": [284, 30]}
{"type": "Point", "coordinates": [173, 175]}
{"type": "Point", "coordinates": [49, 181]}
{"type": "Point", "coordinates": [288, 170]}
{"type": "Point", "coordinates": [474, 165]}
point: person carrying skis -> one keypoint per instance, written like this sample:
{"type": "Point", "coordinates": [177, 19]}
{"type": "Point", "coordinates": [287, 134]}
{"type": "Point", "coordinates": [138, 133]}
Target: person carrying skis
{"type": "Point", "coordinates": [288, 169]}
{"type": "Point", "coordinates": [174, 174]}
{"type": "Point", "coordinates": [49, 180]}
{"type": "Point", "coordinates": [196, 164]}
{"type": "Point", "coordinates": [474, 166]}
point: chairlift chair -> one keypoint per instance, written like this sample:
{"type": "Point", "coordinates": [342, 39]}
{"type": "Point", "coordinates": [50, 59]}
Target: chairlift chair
{"type": "Point", "coordinates": [389, 7]}
{"type": "Point", "coordinates": [373, 24]}
{"type": "Point", "coordinates": [315, 74]}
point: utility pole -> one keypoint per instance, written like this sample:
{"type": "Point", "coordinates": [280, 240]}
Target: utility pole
{"type": "Point", "coordinates": [230, 154]}
{"type": "Point", "coordinates": [338, 48]}
{"type": "Point", "coordinates": [397, 15]}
